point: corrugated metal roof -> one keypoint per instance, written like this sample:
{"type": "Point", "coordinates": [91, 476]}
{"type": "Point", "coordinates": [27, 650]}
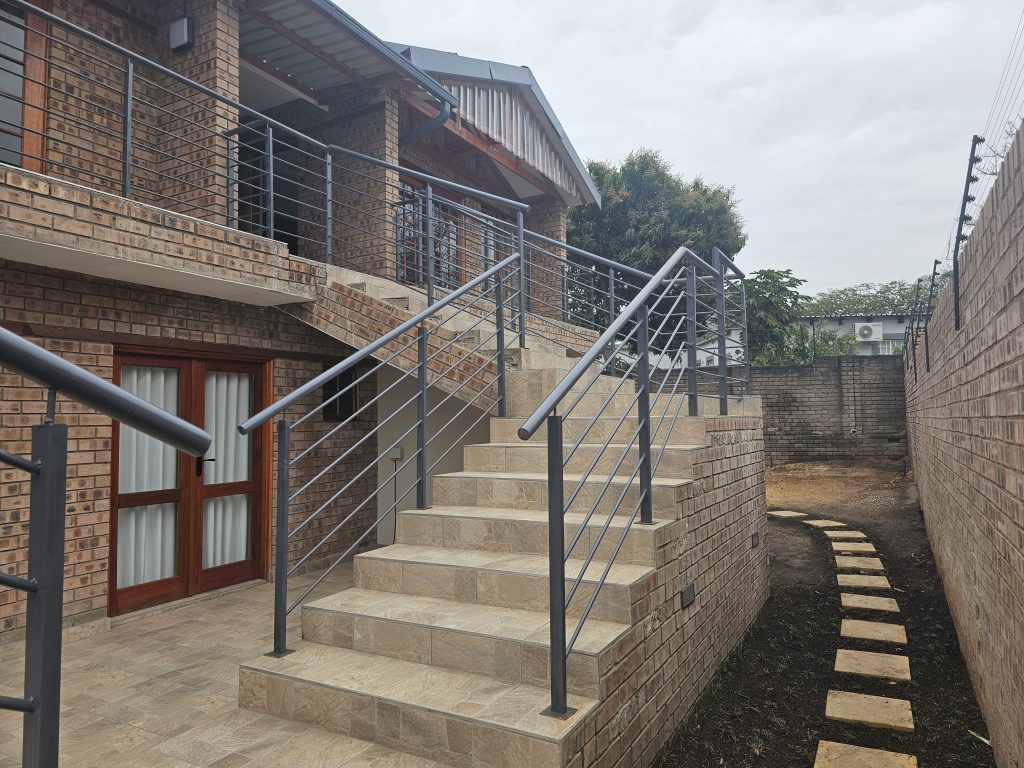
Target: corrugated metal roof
{"type": "Point", "coordinates": [504, 101]}
{"type": "Point", "coordinates": [325, 26]}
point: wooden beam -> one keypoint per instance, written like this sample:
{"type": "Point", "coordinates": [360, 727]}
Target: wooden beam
{"type": "Point", "coordinates": [276, 26]}
{"type": "Point", "coordinates": [273, 72]}
{"type": "Point", "coordinates": [490, 148]}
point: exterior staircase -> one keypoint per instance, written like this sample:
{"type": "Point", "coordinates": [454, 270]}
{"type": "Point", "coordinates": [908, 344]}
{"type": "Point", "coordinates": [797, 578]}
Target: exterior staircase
{"type": "Point", "coordinates": [441, 649]}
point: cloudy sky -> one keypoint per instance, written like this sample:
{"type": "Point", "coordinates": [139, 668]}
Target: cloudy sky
{"type": "Point", "coordinates": [844, 126]}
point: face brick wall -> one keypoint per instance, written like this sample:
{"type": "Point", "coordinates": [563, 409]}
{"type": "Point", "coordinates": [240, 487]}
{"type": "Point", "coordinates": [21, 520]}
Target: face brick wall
{"type": "Point", "coordinates": [966, 423]}
{"type": "Point", "coordinates": [847, 407]}
{"type": "Point", "coordinates": [85, 320]}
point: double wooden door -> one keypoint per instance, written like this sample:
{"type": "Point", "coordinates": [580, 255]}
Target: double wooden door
{"type": "Point", "coordinates": [180, 525]}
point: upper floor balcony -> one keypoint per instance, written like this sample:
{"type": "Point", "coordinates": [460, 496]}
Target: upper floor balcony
{"type": "Point", "coordinates": [279, 139]}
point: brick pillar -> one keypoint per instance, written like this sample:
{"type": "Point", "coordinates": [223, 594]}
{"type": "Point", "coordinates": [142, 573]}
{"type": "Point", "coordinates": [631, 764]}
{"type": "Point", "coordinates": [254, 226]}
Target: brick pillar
{"type": "Point", "coordinates": [194, 169]}
{"type": "Point", "coordinates": [548, 218]}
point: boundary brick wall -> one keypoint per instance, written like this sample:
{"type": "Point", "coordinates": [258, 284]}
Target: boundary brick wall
{"type": "Point", "coordinates": [966, 422]}
{"type": "Point", "coordinates": [847, 407]}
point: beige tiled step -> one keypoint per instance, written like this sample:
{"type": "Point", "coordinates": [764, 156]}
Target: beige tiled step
{"type": "Point", "coordinates": [859, 547]}
{"type": "Point", "coordinates": [888, 666]}
{"type": "Point", "coordinates": [844, 534]}
{"type": "Point", "coordinates": [499, 529]}
{"type": "Point", "coordinates": [498, 578]}
{"type": "Point", "coordinates": [883, 632]}
{"type": "Point", "coordinates": [529, 490]}
{"type": "Point", "coordinates": [874, 711]}
{"type": "Point", "coordinates": [869, 602]}
{"type": "Point", "coordinates": [853, 563]}
{"type": "Point", "coordinates": [862, 581]}
{"type": "Point", "coordinates": [520, 456]}
{"type": "Point", "coordinates": [507, 644]}
{"type": "Point", "coordinates": [455, 717]}
{"type": "Point", "coordinates": [685, 431]}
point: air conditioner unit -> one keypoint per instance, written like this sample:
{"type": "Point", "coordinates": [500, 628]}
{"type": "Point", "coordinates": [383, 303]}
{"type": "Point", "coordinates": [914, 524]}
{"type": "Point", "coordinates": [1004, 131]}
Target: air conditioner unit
{"type": "Point", "coordinates": [868, 331]}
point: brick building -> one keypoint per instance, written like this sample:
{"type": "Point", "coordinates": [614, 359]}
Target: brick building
{"type": "Point", "coordinates": [164, 232]}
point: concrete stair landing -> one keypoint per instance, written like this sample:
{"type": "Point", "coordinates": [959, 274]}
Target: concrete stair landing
{"type": "Point", "coordinates": [441, 650]}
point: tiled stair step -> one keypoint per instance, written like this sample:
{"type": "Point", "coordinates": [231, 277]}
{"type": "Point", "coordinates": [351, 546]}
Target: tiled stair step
{"type": "Point", "coordinates": [529, 490]}
{"type": "Point", "coordinates": [685, 430]}
{"type": "Point", "coordinates": [500, 579]}
{"type": "Point", "coordinates": [524, 456]}
{"type": "Point", "coordinates": [454, 717]}
{"type": "Point", "coordinates": [499, 529]}
{"type": "Point", "coordinates": [507, 644]}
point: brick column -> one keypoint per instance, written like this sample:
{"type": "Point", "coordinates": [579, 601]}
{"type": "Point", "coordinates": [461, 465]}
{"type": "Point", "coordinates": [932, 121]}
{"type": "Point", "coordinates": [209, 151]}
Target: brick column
{"type": "Point", "coordinates": [548, 218]}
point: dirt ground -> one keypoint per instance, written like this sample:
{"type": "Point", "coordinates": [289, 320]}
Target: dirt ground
{"type": "Point", "coordinates": [766, 707]}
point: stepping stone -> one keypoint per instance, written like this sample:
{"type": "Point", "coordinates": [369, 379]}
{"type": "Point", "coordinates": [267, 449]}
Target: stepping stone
{"type": "Point", "coordinates": [889, 666]}
{"type": "Point", "coordinates": [824, 523]}
{"type": "Point", "coordinates": [862, 581]}
{"type": "Point", "coordinates": [845, 535]}
{"type": "Point", "coordinates": [873, 630]}
{"type": "Point", "coordinates": [869, 602]}
{"type": "Point", "coordinates": [853, 546]}
{"type": "Point", "coordinates": [859, 563]}
{"type": "Point", "coordinates": [834, 755]}
{"type": "Point", "coordinates": [786, 515]}
{"type": "Point", "coordinates": [875, 711]}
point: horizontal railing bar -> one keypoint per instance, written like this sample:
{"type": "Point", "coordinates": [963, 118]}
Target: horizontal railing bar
{"type": "Point", "coordinates": [17, 705]}
{"type": "Point", "coordinates": [317, 381]}
{"type": "Point", "coordinates": [20, 462]}
{"type": "Point", "coordinates": [53, 371]}
{"type": "Point", "coordinates": [16, 582]}
{"type": "Point", "coordinates": [587, 255]}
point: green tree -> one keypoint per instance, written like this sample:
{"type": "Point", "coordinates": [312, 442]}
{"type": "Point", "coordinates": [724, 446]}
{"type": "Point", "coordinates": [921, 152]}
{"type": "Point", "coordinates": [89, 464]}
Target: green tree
{"type": "Point", "coordinates": [774, 311]}
{"type": "Point", "coordinates": [648, 211]}
{"type": "Point", "coordinates": [895, 297]}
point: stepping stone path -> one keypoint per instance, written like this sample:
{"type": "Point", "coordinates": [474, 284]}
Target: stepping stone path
{"type": "Point", "coordinates": [873, 630]}
{"type": "Point", "coordinates": [874, 711]}
{"type": "Point", "coordinates": [869, 603]}
{"type": "Point", "coordinates": [870, 664]}
{"type": "Point", "coordinates": [833, 755]}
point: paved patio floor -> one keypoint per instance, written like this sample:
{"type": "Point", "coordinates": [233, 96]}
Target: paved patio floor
{"type": "Point", "coordinates": [161, 691]}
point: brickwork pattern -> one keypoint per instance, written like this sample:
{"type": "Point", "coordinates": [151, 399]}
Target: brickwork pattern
{"type": "Point", "coordinates": [966, 423]}
{"type": "Point", "coordinates": [85, 319]}
{"type": "Point", "coordinates": [670, 655]}
{"type": "Point", "coordinates": [847, 407]}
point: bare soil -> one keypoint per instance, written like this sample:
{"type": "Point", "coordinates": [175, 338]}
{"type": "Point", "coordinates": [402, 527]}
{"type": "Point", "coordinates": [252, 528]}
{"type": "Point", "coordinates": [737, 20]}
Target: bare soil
{"type": "Point", "coordinates": [766, 706]}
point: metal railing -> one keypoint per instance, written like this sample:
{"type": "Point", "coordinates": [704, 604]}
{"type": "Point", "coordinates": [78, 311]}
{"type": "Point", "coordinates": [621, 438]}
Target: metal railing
{"type": "Point", "coordinates": [610, 469]}
{"type": "Point", "coordinates": [460, 355]}
{"type": "Point", "coordinates": [44, 582]}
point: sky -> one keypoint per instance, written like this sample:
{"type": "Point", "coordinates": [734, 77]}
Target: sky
{"type": "Point", "coordinates": [843, 126]}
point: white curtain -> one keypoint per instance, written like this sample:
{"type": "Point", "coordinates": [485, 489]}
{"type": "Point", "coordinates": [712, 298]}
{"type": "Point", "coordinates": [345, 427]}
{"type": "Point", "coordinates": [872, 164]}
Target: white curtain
{"type": "Point", "coordinates": [226, 529]}
{"type": "Point", "coordinates": [147, 536]}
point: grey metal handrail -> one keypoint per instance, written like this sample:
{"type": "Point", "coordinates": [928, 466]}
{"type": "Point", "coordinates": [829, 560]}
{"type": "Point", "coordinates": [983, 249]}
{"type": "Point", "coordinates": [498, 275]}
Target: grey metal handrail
{"type": "Point", "coordinates": [53, 371]}
{"type": "Point", "coordinates": [333, 372]}
{"type": "Point", "coordinates": [590, 256]}
{"type": "Point", "coordinates": [532, 424]}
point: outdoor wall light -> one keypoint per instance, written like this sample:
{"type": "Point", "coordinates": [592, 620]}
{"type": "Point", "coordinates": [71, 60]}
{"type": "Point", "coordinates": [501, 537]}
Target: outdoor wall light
{"type": "Point", "coordinates": [182, 34]}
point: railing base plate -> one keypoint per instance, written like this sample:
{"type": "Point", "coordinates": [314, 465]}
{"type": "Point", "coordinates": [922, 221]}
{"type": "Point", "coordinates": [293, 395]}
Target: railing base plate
{"type": "Point", "coordinates": [569, 712]}
{"type": "Point", "coordinates": [276, 655]}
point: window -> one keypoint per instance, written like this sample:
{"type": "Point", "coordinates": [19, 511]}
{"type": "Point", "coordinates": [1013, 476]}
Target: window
{"type": "Point", "coordinates": [339, 407]}
{"type": "Point", "coordinates": [12, 74]}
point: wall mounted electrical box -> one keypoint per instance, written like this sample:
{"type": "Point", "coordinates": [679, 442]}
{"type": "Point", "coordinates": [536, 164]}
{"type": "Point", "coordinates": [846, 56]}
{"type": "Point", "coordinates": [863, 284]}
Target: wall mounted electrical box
{"type": "Point", "coordinates": [182, 34]}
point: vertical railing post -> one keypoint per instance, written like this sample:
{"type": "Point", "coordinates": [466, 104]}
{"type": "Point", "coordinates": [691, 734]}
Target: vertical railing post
{"type": "Point", "coordinates": [928, 316]}
{"type": "Point", "coordinates": [281, 541]}
{"type": "Point", "coordinates": [129, 129]}
{"type": "Point", "coordinates": [229, 213]}
{"type": "Point", "coordinates": [499, 323]}
{"type": "Point", "coordinates": [268, 184]}
{"type": "Point", "coordinates": [592, 298]}
{"type": "Point", "coordinates": [691, 341]}
{"type": "Point", "coordinates": [746, 340]}
{"type": "Point", "coordinates": [643, 413]}
{"type": "Point", "coordinates": [565, 293]}
{"type": "Point", "coordinates": [612, 310]}
{"type": "Point", "coordinates": [723, 368]}
{"type": "Point", "coordinates": [45, 606]}
{"type": "Point", "coordinates": [329, 209]}
{"type": "Point", "coordinates": [421, 419]}
{"type": "Point", "coordinates": [556, 568]}
{"type": "Point", "coordinates": [431, 245]}
{"type": "Point", "coordinates": [521, 245]}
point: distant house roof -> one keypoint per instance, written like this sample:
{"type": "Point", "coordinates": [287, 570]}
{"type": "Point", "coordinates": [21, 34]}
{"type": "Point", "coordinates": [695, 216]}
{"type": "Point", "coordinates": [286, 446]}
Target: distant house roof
{"type": "Point", "coordinates": [452, 68]}
{"type": "Point", "coordinates": [853, 316]}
